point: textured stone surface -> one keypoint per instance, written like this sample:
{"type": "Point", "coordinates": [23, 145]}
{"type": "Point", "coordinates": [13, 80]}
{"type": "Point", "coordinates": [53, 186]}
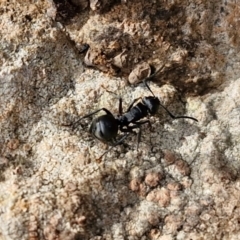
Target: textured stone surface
{"type": "Point", "coordinates": [182, 182]}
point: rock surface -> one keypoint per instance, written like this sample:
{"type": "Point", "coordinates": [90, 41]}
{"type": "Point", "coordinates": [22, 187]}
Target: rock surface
{"type": "Point", "coordinates": [181, 183]}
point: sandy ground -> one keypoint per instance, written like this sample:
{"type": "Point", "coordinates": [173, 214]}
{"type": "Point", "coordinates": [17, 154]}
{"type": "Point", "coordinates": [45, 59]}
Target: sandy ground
{"type": "Point", "coordinates": [182, 181]}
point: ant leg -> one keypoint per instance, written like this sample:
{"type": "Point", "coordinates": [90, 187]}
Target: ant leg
{"type": "Point", "coordinates": [115, 144]}
{"type": "Point", "coordinates": [90, 114]}
{"type": "Point", "coordinates": [120, 109]}
{"type": "Point", "coordinates": [140, 130]}
{"type": "Point", "coordinates": [174, 117]}
{"type": "Point", "coordinates": [137, 125]}
{"type": "Point", "coordinates": [131, 105]}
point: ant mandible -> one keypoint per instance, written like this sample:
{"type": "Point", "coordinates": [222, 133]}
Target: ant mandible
{"type": "Point", "coordinates": [105, 127]}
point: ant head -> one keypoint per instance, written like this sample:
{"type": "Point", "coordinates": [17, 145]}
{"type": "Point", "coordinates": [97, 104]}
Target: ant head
{"type": "Point", "coordinates": [152, 104]}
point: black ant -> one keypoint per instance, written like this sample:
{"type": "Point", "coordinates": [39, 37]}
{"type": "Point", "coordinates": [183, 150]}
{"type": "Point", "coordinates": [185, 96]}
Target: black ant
{"type": "Point", "coordinates": [105, 127]}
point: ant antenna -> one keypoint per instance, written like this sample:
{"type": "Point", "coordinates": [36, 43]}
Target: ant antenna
{"type": "Point", "coordinates": [174, 117]}
{"type": "Point", "coordinates": [169, 113]}
{"type": "Point", "coordinates": [151, 76]}
{"type": "Point", "coordinates": [145, 82]}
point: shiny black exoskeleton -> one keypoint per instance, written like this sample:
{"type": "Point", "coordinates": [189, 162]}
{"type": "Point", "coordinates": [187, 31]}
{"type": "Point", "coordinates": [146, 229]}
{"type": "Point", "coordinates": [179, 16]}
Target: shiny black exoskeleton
{"type": "Point", "coordinates": [105, 127]}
